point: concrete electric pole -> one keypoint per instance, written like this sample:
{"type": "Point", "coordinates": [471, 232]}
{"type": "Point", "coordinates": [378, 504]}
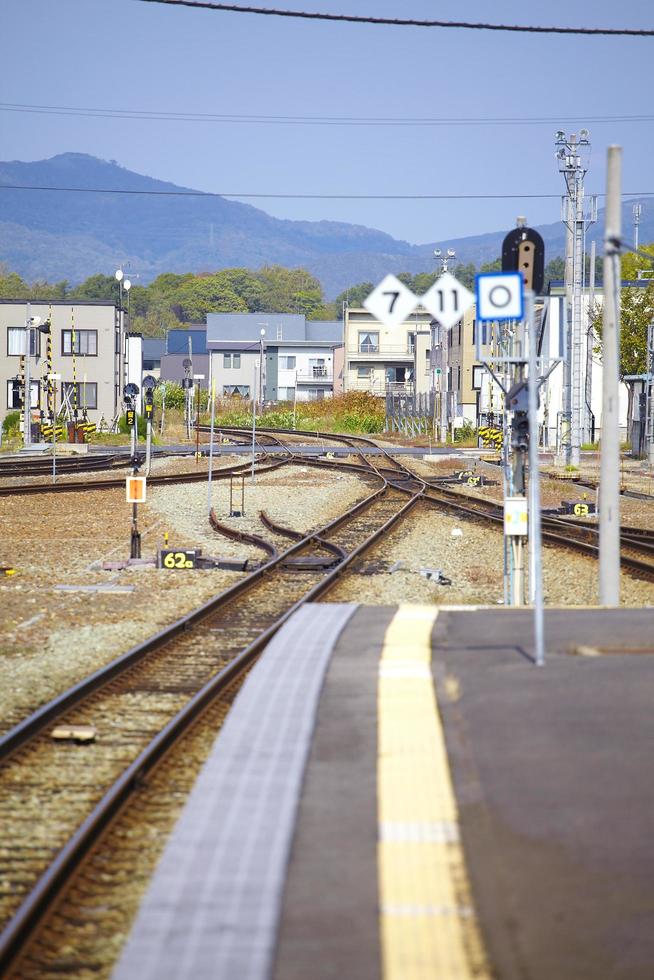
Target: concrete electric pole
{"type": "Point", "coordinates": [637, 210]}
{"type": "Point", "coordinates": [444, 345]}
{"type": "Point", "coordinates": [574, 171]}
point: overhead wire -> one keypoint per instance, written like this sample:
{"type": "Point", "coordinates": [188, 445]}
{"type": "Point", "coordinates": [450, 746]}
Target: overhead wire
{"type": "Point", "coordinates": [296, 196]}
{"type": "Point", "coordinates": [406, 22]}
{"type": "Point", "coordinates": [301, 120]}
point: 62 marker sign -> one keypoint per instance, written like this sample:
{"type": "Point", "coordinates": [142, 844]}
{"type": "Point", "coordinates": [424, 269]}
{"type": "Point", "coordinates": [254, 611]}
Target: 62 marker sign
{"type": "Point", "coordinates": [177, 559]}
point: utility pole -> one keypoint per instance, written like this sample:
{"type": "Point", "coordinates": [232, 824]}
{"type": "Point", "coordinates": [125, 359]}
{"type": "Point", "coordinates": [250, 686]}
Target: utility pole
{"type": "Point", "coordinates": [574, 171]}
{"type": "Point", "coordinates": [637, 210]}
{"type": "Point", "coordinates": [444, 345]}
{"type": "Point", "coordinates": [609, 547]}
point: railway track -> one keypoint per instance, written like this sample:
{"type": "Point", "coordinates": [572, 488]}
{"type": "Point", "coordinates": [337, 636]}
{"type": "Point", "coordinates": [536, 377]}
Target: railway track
{"type": "Point", "coordinates": [139, 705]}
{"type": "Point", "coordinates": [143, 704]}
{"type": "Point", "coordinates": [562, 532]}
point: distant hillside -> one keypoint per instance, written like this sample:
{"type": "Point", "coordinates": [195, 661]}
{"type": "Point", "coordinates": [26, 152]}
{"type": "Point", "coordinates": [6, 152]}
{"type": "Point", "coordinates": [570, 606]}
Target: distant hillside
{"type": "Point", "coordinates": [55, 236]}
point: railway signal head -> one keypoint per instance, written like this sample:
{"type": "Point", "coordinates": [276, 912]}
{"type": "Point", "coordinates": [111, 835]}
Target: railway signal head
{"type": "Point", "coordinates": [520, 432]}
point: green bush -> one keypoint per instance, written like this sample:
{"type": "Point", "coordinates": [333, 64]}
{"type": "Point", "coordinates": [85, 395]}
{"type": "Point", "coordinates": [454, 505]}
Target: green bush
{"type": "Point", "coordinates": [11, 424]}
{"type": "Point", "coordinates": [176, 396]}
{"type": "Point", "coordinates": [141, 426]}
{"type": "Point", "coordinates": [465, 432]}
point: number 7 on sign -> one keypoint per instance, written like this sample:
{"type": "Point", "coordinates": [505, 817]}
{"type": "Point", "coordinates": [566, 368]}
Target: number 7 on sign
{"type": "Point", "coordinates": [395, 296]}
{"type": "Point", "coordinates": [391, 302]}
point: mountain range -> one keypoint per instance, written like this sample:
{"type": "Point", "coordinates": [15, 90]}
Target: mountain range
{"type": "Point", "coordinates": [71, 235]}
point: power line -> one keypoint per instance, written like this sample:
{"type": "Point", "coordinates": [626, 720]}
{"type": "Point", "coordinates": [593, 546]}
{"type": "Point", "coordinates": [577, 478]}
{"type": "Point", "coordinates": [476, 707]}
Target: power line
{"type": "Point", "coordinates": [302, 197]}
{"type": "Point", "coordinates": [399, 22]}
{"type": "Point", "coordinates": [210, 117]}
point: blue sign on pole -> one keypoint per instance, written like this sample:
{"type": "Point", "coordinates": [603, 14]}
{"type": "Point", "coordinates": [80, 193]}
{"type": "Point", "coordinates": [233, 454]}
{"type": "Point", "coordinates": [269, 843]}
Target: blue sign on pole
{"type": "Point", "coordinates": [500, 296]}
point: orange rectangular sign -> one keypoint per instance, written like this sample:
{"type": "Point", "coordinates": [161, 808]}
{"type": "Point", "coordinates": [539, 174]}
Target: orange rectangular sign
{"type": "Point", "coordinates": [135, 489]}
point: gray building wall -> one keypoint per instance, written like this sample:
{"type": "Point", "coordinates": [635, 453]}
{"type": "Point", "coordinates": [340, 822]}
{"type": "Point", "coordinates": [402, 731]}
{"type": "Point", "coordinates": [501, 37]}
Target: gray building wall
{"type": "Point", "coordinates": [172, 367]}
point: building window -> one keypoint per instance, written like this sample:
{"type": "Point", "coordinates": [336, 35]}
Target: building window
{"type": "Point", "coordinates": [81, 394]}
{"type": "Point", "coordinates": [236, 391]}
{"type": "Point", "coordinates": [280, 331]}
{"type": "Point", "coordinates": [231, 360]}
{"type": "Point", "coordinates": [16, 341]}
{"type": "Point", "coordinates": [287, 363]}
{"type": "Point", "coordinates": [477, 375]}
{"type": "Point", "coordinates": [13, 394]}
{"type": "Point", "coordinates": [368, 342]}
{"type": "Point", "coordinates": [86, 343]}
{"type": "Point", "coordinates": [364, 371]}
{"type": "Point", "coordinates": [458, 378]}
{"type": "Point", "coordinates": [286, 394]}
{"type": "Point", "coordinates": [315, 394]}
{"type": "Point", "coordinates": [317, 368]}
{"type": "Point", "coordinates": [484, 332]}
{"type": "Point", "coordinates": [411, 343]}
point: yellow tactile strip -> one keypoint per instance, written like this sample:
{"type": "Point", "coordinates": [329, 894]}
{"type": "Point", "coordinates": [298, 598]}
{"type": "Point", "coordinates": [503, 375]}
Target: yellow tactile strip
{"type": "Point", "coordinates": [427, 924]}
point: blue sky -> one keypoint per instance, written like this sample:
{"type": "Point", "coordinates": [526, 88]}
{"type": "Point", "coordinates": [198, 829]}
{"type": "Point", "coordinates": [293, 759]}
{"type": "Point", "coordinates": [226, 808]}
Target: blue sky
{"type": "Point", "coordinates": [123, 54]}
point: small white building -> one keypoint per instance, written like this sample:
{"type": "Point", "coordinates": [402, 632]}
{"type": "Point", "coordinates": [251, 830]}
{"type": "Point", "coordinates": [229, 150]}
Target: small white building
{"type": "Point", "coordinates": [299, 356]}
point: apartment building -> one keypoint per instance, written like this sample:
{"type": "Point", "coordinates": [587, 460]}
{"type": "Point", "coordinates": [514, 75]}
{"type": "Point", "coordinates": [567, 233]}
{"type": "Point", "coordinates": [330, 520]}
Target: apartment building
{"type": "Point", "coordinates": [299, 356]}
{"type": "Point", "coordinates": [85, 344]}
{"type": "Point", "coordinates": [382, 360]}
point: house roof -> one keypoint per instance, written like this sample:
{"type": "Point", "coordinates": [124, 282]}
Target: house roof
{"type": "Point", "coordinates": [280, 329]}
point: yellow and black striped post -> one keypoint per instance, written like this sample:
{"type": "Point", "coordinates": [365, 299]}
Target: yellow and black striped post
{"type": "Point", "coordinates": [21, 387]}
{"type": "Point", "coordinates": [73, 345]}
{"type": "Point", "coordinates": [49, 370]}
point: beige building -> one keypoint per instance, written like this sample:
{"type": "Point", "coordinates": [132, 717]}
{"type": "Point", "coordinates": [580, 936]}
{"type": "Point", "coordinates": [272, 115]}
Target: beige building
{"type": "Point", "coordinates": [465, 376]}
{"type": "Point", "coordinates": [400, 361]}
{"type": "Point", "coordinates": [384, 360]}
{"type": "Point", "coordinates": [88, 349]}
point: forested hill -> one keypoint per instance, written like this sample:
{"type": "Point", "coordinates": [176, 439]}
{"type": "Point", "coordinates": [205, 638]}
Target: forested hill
{"type": "Point", "coordinates": [59, 235]}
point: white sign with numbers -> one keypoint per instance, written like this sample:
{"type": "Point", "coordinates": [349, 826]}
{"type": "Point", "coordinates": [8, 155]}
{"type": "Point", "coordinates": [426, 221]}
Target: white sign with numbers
{"type": "Point", "coordinates": [447, 300]}
{"type": "Point", "coordinates": [391, 302]}
{"type": "Point", "coordinates": [499, 296]}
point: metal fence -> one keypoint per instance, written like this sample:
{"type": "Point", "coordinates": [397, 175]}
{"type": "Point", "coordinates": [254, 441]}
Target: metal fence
{"type": "Point", "coordinates": [410, 413]}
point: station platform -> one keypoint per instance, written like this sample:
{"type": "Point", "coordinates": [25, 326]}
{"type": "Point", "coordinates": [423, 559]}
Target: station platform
{"type": "Point", "coordinates": [400, 792]}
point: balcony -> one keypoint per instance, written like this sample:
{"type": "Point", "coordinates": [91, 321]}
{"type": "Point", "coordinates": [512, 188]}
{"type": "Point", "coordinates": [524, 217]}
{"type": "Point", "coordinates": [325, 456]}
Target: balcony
{"type": "Point", "coordinates": [316, 375]}
{"type": "Point", "coordinates": [383, 352]}
{"type": "Point", "coordinates": [381, 388]}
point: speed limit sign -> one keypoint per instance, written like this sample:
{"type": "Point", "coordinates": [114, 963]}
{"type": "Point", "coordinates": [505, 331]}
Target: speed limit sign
{"type": "Point", "coordinates": [391, 302]}
{"type": "Point", "coordinates": [499, 296]}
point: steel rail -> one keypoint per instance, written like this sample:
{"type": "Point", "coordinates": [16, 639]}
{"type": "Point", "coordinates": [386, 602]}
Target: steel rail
{"type": "Point", "coordinates": [235, 535]}
{"type": "Point", "coordinates": [288, 532]}
{"type": "Point", "coordinates": [168, 479]}
{"type": "Point", "coordinates": [31, 911]}
{"type": "Point", "coordinates": [551, 530]}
